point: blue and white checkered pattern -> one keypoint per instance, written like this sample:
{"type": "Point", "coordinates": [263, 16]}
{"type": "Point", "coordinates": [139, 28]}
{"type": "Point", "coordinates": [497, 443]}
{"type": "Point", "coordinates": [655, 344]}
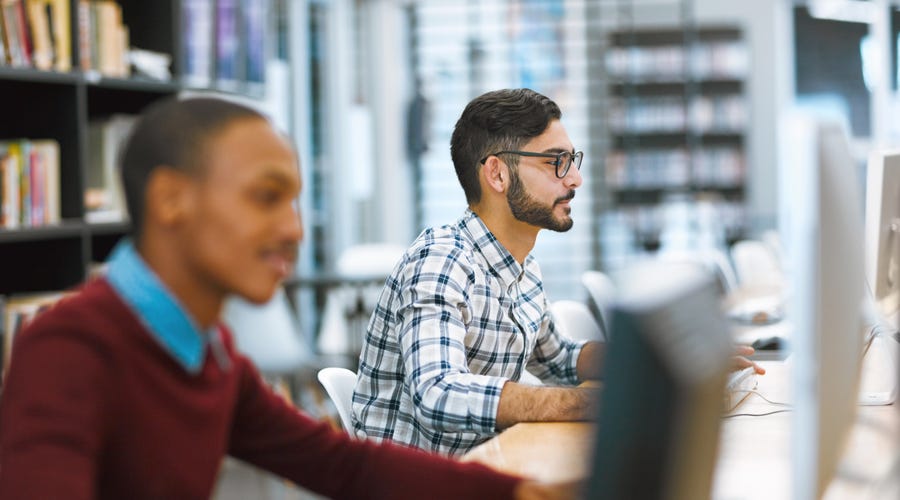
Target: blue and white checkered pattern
{"type": "Point", "coordinates": [458, 317]}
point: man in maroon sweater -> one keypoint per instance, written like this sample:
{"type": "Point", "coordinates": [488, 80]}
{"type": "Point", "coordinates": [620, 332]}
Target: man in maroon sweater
{"type": "Point", "coordinates": [132, 388]}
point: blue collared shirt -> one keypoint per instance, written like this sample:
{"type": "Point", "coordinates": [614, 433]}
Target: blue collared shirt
{"type": "Point", "coordinates": [159, 310]}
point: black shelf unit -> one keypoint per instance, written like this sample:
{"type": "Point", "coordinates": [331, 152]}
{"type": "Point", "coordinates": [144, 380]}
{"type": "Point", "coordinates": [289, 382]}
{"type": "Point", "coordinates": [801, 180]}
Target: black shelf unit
{"type": "Point", "coordinates": [53, 105]}
{"type": "Point", "coordinates": [678, 114]}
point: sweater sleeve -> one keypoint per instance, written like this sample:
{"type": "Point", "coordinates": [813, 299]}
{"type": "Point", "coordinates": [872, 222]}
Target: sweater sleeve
{"type": "Point", "coordinates": [273, 435]}
{"type": "Point", "coordinates": [52, 414]}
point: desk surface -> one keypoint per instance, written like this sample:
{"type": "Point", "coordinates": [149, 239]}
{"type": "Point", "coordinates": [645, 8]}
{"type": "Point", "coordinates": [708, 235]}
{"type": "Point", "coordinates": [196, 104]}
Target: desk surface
{"type": "Point", "coordinates": [754, 455]}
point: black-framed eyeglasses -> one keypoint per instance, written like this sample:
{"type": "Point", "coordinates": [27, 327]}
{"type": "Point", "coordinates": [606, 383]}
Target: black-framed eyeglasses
{"type": "Point", "coordinates": [563, 160]}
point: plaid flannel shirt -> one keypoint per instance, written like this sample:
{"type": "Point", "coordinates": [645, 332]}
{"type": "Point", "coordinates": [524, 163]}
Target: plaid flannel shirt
{"type": "Point", "coordinates": [457, 318]}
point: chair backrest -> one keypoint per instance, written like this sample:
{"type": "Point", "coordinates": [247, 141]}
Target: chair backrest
{"type": "Point", "coordinates": [339, 383]}
{"type": "Point", "coordinates": [713, 259]}
{"type": "Point", "coordinates": [601, 294]}
{"type": "Point", "coordinates": [348, 307]}
{"type": "Point", "coordinates": [268, 334]}
{"type": "Point", "coordinates": [755, 263]}
{"type": "Point", "coordinates": [575, 320]}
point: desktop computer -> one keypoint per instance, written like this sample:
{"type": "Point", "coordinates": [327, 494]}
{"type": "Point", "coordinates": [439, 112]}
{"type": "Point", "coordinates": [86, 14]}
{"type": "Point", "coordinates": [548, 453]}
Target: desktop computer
{"type": "Point", "coordinates": [822, 231]}
{"type": "Point", "coordinates": [883, 232]}
{"type": "Point", "coordinates": [882, 264]}
{"type": "Point", "coordinates": [665, 371]}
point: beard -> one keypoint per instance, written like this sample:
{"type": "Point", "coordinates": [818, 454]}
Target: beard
{"type": "Point", "coordinates": [529, 210]}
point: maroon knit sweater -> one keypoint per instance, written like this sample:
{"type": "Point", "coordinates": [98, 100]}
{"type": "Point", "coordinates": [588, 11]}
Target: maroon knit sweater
{"type": "Point", "coordinates": [93, 407]}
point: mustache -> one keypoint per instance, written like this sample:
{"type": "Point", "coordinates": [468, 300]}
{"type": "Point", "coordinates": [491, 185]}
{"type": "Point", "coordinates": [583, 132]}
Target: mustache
{"type": "Point", "coordinates": [288, 249]}
{"type": "Point", "coordinates": [567, 197]}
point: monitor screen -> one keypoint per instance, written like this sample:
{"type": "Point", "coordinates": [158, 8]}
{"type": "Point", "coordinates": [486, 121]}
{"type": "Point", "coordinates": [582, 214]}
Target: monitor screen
{"type": "Point", "coordinates": [664, 378]}
{"type": "Point", "coordinates": [883, 231]}
{"type": "Point", "coordinates": [822, 231]}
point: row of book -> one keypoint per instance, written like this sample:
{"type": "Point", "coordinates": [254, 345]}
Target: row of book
{"type": "Point", "coordinates": [29, 183]}
{"type": "Point", "coordinates": [17, 312]}
{"type": "Point", "coordinates": [626, 230]}
{"type": "Point", "coordinates": [722, 59]}
{"type": "Point", "coordinates": [103, 39]}
{"type": "Point", "coordinates": [225, 42]}
{"type": "Point", "coordinates": [38, 34]}
{"type": "Point", "coordinates": [718, 113]}
{"type": "Point", "coordinates": [711, 166]}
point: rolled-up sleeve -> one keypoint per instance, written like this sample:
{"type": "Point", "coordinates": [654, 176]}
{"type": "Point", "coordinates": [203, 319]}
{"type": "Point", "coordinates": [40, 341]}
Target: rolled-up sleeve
{"type": "Point", "coordinates": [446, 396]}
{"type": "Point", "coordinates": [555, 357]}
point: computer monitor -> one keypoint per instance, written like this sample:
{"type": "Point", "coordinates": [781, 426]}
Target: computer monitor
{"type": "Point", "coordinates": [822, 231]}
{"type": "Point", "coordinates": [883, 232]}
{"type": "Point", "coordinates": [882, 253]}
{"type": "Point", "coordinates": [665, 373]}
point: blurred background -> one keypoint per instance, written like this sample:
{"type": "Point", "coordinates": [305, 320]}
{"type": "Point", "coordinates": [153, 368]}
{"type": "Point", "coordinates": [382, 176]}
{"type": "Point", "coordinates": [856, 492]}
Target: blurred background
{"type": "Point", "coordinates": [674, 102]}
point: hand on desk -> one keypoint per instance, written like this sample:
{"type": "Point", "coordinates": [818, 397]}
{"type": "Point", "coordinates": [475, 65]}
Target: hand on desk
{"type": "Point", "coordinates": [740, 361]}
{"type": "Point", "coordinates": [533, 490]}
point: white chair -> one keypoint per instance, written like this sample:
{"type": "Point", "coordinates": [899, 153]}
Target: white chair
{"type": "Point", "coordinates": [575, 320]}
{"type": "Point", "coordinates": [601, 293]}
{"type": "Point", "coordinates": [268, 334]}
{"type": "Point", "coordinates": [756, 264]}
{"type": "Point", "coordinates": [712, 259]}
{"type": "Point", "coordinates": [348, 307]}
{"type": "Point", "coordinates": [339, 383]}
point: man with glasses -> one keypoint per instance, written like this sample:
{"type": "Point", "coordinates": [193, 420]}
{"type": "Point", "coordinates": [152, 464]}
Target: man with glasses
{"type": "Point", "coordinates": [464, 312]}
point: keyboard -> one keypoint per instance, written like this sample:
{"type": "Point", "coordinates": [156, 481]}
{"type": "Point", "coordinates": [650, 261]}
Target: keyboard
{"type": "Point", "coordinates": [738, 387]}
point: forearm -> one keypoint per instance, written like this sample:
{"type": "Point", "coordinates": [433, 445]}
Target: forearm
{"type": "Point", "coordinates": [523, 403]}
{"type": "Point", "coordinates": [590, 361]}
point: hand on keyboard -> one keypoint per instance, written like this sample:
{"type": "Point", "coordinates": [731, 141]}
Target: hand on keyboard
{"type": "Point", "coordinates": [739, 361]}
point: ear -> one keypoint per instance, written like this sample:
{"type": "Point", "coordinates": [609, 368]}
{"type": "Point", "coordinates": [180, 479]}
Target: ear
{"type": "Point", "coordinates": [495, 174]}
{"type": "Point", "coordinates": [167, 196]}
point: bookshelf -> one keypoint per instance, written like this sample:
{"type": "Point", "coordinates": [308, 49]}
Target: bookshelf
{"type": "Point", "coordinates": [675, 129]}
{"type": "Point", "coordinates": [62, 106]}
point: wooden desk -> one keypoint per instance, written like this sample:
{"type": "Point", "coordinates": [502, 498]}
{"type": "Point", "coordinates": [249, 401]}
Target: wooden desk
{"type": "Point", "coordinates": [555, 451]}
{"type": "Point", "coordinates": [754, 452]}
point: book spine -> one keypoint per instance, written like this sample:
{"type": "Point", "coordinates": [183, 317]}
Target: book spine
{"type": "Point", "coordinates": [62, 34]}
{"type": "Point", "coordinates": [13, 198]}
{"type": "Point", "coordinates": [24, 32]}
{"type": "Point", "coordinates": [84, 35]}
{"type": "Point", "coordinates": [25, 183]}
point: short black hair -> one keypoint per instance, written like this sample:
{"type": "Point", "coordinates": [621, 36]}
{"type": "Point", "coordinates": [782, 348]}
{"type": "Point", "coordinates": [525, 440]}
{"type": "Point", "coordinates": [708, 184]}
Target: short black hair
{"type": "Point", "coordinates": [495, 121]}
{"type": "Point", "coordinates": [173, 133]}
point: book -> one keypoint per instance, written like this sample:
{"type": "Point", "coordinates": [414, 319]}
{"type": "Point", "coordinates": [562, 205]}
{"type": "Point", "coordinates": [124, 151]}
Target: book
{"type": "Point", "coordinates": [10, 168]}
{"type": "Point", "coordinates": [109, 21]}
{"type": "Point", "coordinates": [29, 176]}
{"type": "Point", "coordinates": [24, 183]}
{"type": "Point", "coordinates": [18, 53]}
{"type": "Point", "coordinates": [47, 152]}
{"type": "Point", "coordinates": [229, 63]}
{"type": "Point", "coordinates": [256, 47]}
{"type": "Point", "coordinates": [197, 24]}
{"type": "Point", "coordinates": [104, 194]}
{"type": "Point", "coordinates": [61, 29]}
{"type": "Point", "coordinates": [39, 22]}
{"type": "Point", "coordinates": [3, 43]}
{"type": "Point", "coordinates": [85, 58]}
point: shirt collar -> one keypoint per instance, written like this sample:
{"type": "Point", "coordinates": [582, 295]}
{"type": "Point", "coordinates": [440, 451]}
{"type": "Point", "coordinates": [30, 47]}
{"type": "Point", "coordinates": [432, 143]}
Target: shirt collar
{"type": "Point", "coordinates": [497, 256]}
{"type": "Point", "coordinates": [158, 309]}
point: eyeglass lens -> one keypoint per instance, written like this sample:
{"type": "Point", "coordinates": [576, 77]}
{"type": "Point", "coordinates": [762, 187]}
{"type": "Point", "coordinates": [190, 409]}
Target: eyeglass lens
{"type": "Point", "coordinates": [564, 161]}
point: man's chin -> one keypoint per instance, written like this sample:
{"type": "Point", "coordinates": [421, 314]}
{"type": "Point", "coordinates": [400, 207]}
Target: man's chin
{"type": "Point", "coordinates": [560, 226]}
{"type": "Point", "coordinates": [258, 297]}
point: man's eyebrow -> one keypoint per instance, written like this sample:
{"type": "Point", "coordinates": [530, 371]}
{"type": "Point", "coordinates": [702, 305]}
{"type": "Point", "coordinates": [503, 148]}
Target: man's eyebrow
{"type": "Point", "coordinates": [274, 175]}
{"type": "Point", "coordinates": [558, 150]}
